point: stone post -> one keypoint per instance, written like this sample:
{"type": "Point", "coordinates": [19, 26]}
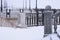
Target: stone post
{"type": "Point", "coordinates": [22, 19]}
{"type": "Point", "coordinates": [47, 22]}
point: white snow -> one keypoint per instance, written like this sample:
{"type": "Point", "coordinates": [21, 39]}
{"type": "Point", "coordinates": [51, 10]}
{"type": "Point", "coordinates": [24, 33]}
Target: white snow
{"type": "Point", "coordinates": [33, 33]}
{"type": "Point", "coordinates": [51, 37]}
{"type": "Point", "coordinates": [30, 33]}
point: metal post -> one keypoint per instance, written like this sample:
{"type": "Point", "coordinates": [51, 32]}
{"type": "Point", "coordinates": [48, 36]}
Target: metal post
{"type": "Point", "coordinates": [1, 6]}
{"type": "Point", "coordinates": [55, 25]}
{"type": "Point", "coordinates": [37, 12]}
{"type": "Point", "coordinates": [29, 4]}
{"type": "Point", "coordinates": [36, 4]}
{"type": "Point", "coordinates": [26, 4]}
{"type": "Point", "coordinates": [42, 18]}
{"type": "Point", "coordinates": [1, 12]}
{"type": "Point", "coordinates": [23, 4]}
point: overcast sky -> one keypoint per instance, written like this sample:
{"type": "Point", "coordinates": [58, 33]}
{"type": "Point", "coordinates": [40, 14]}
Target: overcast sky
{"type": "Point", "coordinates": [41, 3]}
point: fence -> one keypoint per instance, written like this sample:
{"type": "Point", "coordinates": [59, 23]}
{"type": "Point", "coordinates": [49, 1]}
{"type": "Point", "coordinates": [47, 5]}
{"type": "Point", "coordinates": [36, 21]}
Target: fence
{"type": "Point", "coordinates": [31, 19]}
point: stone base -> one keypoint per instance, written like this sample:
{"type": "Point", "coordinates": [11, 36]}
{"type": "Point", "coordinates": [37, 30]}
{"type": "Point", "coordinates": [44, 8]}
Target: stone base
{"type": "Point", "coordinates": [45, 35]}
{"type": "Point", "coordinates": [21, 26]}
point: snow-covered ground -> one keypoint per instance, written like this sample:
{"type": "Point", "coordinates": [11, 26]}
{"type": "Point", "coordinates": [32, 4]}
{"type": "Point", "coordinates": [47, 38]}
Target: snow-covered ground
{"type": "Point", "coordinates": [30, 33]}
{"type": "Point", "coordinates": [51, 37]}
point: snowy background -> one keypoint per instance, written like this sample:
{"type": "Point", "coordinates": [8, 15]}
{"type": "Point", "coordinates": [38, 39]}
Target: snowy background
{"type": "Point", "coordinates": [30, 33]}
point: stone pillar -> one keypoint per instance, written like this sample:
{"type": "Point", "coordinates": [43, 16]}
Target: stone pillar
{"type": "Point", "coordinates": [22, 19]}
{"type": "Point", "coordinates": [47, 22]}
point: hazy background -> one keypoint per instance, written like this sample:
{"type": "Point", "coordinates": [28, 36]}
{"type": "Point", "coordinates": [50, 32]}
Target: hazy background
{"type": "Point", "coordinates": [41, 3]}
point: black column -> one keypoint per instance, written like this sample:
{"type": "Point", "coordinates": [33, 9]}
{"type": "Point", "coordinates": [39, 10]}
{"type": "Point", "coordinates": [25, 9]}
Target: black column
{"type": "Point", "coordinates": [1, 6]}
{"type": "Point", "coordinates": [37, 18]}
{"type": "Point", "coordinates": [36, 13]}
{"type": "Point", "coordinates": [42, 18]}
{"type": "Point", "coordinates": [55, 25]}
